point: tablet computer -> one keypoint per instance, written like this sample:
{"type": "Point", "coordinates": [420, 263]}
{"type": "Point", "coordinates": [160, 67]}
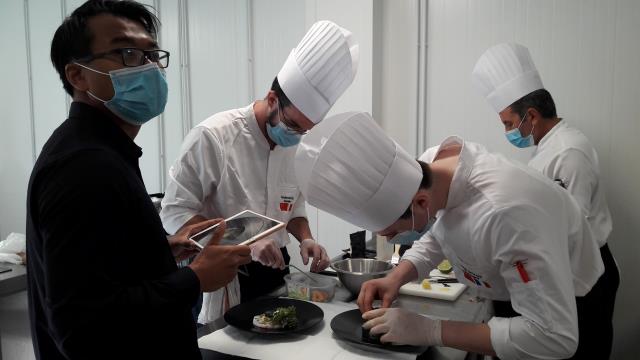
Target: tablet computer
{"type": "Point", "coordinates": [243, 228]}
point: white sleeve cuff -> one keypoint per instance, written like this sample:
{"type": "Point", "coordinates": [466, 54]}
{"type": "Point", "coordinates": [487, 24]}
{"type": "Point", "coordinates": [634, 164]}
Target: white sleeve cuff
{"type": "Point", "coordinates": [299, 208]}
{"type": "Point", "coordinates": [173, 218]}
{"type": "Point", "coordinates": [423, 267]}
{"type": "Point", "coordinates": [500, 339]}
{"type": "Point", "coordinates": [299, 211]}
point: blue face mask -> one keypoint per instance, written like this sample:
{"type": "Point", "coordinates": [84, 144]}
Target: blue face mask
{"type": "Point", "coordinates": [515, 137]}
{"type": "Point", "coordinates": [409, 237]}
{"type": "Point", "coordinates": [140, 93]}
{"type": "Point", "coordinates": [282, 136]}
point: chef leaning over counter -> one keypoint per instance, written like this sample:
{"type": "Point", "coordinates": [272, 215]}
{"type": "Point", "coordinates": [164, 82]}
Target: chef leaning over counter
{"type": "Point", "coordinates": [243, 159]}
{"type": "Point", "coordinates": [509, 232]}
{"type": "Point", "coordinates": [507, 77]}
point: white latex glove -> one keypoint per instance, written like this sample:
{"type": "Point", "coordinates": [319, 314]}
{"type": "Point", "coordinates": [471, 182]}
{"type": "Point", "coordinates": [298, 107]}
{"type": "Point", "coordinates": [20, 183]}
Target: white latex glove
{"type": "Point", "coordinates": [267, 253]}
{"type": "Point", "coordinates": [310, 248]}
{"type": "Point", "coordinates": [404, 327]}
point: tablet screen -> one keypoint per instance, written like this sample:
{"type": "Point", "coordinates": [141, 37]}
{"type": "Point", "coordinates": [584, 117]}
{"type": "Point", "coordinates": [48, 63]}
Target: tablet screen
{"type": "Point", "coordinates": [240, 228]}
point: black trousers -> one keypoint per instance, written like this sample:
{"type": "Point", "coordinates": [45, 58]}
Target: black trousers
{"type": "Point", "coordinates": [262, 279]}
{"type": "Point", "coordinates": [595, 312]}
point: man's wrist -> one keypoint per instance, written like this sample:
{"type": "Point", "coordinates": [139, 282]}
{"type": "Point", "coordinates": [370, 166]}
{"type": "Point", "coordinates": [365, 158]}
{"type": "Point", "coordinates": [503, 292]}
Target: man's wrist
{"type": "Point", "coordinates": [309, 239]}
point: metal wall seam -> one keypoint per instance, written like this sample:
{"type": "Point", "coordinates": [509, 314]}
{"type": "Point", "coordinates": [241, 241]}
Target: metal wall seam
{"type": "Point", "coordinates": [250, 52]}
{"type": "Point", "coordinates": [421, 111]}
{"type": "Point", "coordinates": [161, 131]}
{"type": "Point", "coordinates": [185, 74]}
{"type": "Point", "coordinates": [32, 120]}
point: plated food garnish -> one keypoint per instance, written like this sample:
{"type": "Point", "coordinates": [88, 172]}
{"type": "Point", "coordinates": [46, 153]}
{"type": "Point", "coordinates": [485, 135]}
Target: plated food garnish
{"type": "Point", "coordinates": [280, 318]}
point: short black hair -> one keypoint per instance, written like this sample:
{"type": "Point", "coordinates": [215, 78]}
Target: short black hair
{"type": "Point", "coordinates": [282, 97]}
{"type": "Point", "coordinates": [72, 40]}
{"type": "Point", "coordinates": [425, 183]}
{"type": "Point", "coordinates": [540, 100]}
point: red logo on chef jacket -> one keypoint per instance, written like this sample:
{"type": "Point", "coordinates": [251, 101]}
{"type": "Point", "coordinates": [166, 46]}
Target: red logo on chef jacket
{"type": "Point", "coordinates": [286, 203]}
{"type": "Point", "coordinates": [474, 278]}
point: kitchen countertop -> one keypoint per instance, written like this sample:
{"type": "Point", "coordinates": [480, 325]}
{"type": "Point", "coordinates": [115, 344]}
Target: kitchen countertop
{"type": "Point", "coordinates": [465, 308]}
{"type": "Point", "coordinates": [14, 280]}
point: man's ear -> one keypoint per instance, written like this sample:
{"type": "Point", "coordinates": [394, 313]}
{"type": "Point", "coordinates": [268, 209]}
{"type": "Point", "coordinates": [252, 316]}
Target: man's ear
{"type": "Point", "coordinates": [421, 199]}
{"type": "Point", "coordinates": [534, 115]}
{"type": "Point", "coordinates": [272, 99]}
{"type": "Point", "coordinates": [75, 76]}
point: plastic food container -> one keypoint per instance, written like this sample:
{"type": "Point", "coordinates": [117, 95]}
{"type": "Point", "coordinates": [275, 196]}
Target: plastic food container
{"type": "Point", "coordinates": [302, 288]}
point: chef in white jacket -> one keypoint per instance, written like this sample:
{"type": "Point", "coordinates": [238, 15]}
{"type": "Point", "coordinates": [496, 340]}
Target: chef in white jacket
{"type": "Point", "coordinates": [243, 159]}
{"type": "Point", "coordinates": [509, 232]}
{"type": "Point", "coordinates": [506, 76]}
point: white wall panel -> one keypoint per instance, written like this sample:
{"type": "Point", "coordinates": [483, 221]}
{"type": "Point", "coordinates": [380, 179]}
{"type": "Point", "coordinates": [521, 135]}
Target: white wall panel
{"type": "Point", "coordinates": [49, 106]}
{"type": "Point", "coordinates": [273, 38]}
{"type": "Point", "coordinates": [587, 53]}
{"type": "Point", "coordinates": [16, 150]}
{"type": "Point", "coordinates": [219, 66]}
{"type": "Point", "coordinates": [357, 17]}
{"type": "Point", "coordinates": [71, 5]}
{"type": "Point", "coordinates": [622, 172]}
{"type": "Point", "coordinates": [395, 65]}
{"type": "Point", "coordinates": [149, 140]}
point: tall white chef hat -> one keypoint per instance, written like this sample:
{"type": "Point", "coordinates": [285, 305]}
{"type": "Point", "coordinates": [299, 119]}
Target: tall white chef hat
{"type": "Point", "coordinates": [349, 167]}
{"type": "Point", "coordinates": [504, 74]}
{"type": "Point", "coordinates": [319, 69]}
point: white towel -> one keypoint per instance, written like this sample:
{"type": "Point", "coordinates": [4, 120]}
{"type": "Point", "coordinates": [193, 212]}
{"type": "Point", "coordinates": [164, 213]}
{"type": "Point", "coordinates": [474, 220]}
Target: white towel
{"type": "Point", "coordinates": [213, 302]}
{"type": "Point", "coordinates": [10, 247]}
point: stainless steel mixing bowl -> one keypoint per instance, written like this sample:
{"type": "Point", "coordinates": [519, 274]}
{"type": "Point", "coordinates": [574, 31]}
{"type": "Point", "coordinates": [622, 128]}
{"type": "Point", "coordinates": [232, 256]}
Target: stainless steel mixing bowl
{"type": "Point", "coordinates": [353, 272]}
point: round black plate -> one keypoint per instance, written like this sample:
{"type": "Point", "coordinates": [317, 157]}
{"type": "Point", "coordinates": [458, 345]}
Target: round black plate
{"type": "Point", "coordinates": [241, 316]}
{"type": "Point", "coordinates": [348, 326]}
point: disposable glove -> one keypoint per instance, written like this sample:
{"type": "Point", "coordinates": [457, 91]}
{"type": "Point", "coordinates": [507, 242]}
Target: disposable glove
{"type": "Point", "coordinates": [309, 248]}
{"type": "Point", "coordinates": [267, 253]}
{"type": "Point", "coordinates": [403, 327]}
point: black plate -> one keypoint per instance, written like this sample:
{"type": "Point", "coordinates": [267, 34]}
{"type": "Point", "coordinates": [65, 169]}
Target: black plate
{"type": "Point", "coordinates": [241, 316]}
{"type": "Point", "coordinates": [348, 326]}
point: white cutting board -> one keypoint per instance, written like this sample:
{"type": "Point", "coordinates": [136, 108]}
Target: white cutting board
{"type": "Point", "coordinates": [437, 291]}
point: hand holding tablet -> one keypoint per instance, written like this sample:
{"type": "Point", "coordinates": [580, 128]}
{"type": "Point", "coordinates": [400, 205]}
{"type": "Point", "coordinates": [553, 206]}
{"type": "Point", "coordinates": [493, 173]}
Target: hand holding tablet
{"type": "Point", "coordinates": [243, 228]}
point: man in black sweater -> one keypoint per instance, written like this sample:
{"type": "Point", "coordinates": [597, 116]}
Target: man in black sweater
{"type": "Point", "coordinates": [102, 274]}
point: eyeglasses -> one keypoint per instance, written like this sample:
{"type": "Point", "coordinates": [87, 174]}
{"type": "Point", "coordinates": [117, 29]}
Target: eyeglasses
{"type": "Point", "coordinates": [134, 57]}
{"type": "Point", "coordinates": [291, 126]}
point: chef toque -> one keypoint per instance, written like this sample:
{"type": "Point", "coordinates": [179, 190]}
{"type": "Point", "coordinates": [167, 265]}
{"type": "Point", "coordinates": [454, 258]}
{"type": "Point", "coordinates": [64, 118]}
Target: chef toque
{"type": "Point", "coordinates": [319, 69]}
{"type": "Point", "coordinates": [504, 74]}
{"type": "Point", "coordinates": [349, 167]}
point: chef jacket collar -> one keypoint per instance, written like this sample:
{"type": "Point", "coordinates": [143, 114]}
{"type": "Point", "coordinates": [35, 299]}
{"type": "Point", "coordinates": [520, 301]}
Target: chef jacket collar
{"type": "Point", "coordinates": [550, 134]}
{"type": "Point", "coordinates": [254, 128]}
{"type": "Point", "coordinates": [458, 188]}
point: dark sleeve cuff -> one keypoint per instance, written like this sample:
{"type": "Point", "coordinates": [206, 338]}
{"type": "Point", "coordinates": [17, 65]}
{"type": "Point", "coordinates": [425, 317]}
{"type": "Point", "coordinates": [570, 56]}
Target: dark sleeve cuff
{"type": "Point", "coordinates": [186, 284]}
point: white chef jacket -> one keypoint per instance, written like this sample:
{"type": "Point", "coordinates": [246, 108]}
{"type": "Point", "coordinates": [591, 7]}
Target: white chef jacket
{"type": "Point", "coordinates": [226, 166]}
{"type": "Point", "coordinates": [499, 214]}
{"type": "Point", "coordinates": [564, 153]}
